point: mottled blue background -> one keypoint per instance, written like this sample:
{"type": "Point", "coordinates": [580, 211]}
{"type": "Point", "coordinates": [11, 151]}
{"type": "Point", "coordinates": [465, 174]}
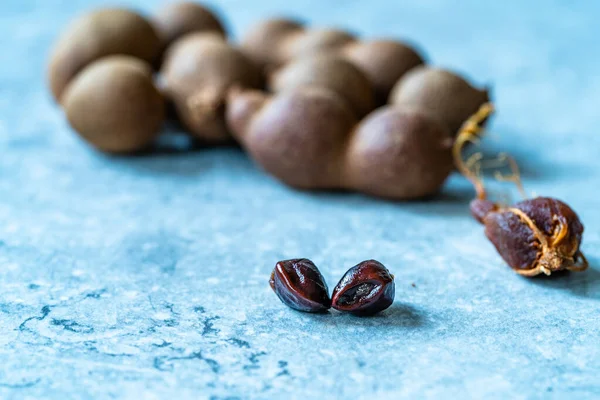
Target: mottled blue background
{"type": "Point", "coordinates": [147, 277]}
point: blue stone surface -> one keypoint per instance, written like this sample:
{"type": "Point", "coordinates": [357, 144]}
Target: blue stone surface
{"type": "Point", "coordinates": [146, 277]}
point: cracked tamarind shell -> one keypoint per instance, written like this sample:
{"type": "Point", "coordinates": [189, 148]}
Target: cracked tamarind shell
{"type": "Point", "coordinates": [329, 71]}
{"type": "Point", "coordinates": [399, 153]}
{"type": "Point", "coordinates": [114, 105]}
{"type": "Point", "coordinates": [198, 71]}
{"type": "Point", "coordinates": [99, 34]}
{"type": "Point", "coordinates": [446, 95]}
{"type": "Point", "coordinates": [550, 242]}
{"type": "Point", "coordinates": [297, 136]}
{"type": "Point", "coordinates": [175, 20]}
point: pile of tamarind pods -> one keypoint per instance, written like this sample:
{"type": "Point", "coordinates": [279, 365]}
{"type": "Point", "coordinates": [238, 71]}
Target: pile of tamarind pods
{"type": "Point", "coordinates": [317, 108]}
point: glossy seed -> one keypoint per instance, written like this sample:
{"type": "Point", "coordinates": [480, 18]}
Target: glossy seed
{"type": "Point", "coordinates": [299, 284]}
{"type": "Point", "coordinates": [365, 289]}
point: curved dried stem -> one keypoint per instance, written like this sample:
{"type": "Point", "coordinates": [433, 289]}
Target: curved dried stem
{"type": "Point", "coordinates": [469, 133]}
{"type": "Point", "coordinates": [581, 265]}
{"type": "Point", "coordinates": [561, 232]}
{"type": "Point", "coordinates": [474, 161]}
{"type": "Point", "coordinates": [514, 176]}
{"type": "Point", "coordinates": [472, 166]}
{"type": "Point", "coordinates": [539, 235]}
{"type": "Point", "coordinates": [538, 267]}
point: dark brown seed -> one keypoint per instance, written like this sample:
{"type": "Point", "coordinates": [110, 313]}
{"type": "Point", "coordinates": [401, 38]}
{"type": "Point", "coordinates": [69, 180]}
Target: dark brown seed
{"type": "Point", "coordinates": [540, 235]}
{"type": "Point", "coordinates": [365, 289]}
{"type": "Point", "coordinates": [299, 285]}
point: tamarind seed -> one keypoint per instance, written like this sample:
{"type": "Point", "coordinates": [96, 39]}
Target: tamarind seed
{"type": "Point", "coordinates": [299, 285]}
{"type": "Point", "coordinates": [365, 289]}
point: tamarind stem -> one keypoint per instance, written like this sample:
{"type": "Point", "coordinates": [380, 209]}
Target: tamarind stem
{"type": "Point", "coordinates": [469, 134]}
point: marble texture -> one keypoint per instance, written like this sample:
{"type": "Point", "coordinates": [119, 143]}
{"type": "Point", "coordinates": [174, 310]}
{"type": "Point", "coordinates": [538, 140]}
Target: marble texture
{"type": "Point", "coordinates": [146, 277]}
